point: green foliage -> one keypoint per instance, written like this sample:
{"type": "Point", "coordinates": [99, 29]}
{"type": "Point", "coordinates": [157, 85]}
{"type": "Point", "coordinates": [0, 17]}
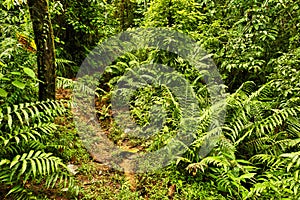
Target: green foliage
{"type": "Point", "coordinates": [255, 45]}
{"type": "Point", "coordinates": [260, 144]}
{"type": "Point", "coordinates": [25, 130]}
{"type": "Point", "coordinates": [250, 37]}
{"type": "Point", "coordinates": [183, 15]}
{"type": "Point", "coordinates": [27, 157]}
{"type": "Point", "coordinates": [17, 70]}
{"type": "Point", "coordinates": [78, 26]}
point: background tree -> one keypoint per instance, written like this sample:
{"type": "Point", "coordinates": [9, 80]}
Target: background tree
{"type": "Point", "coordinates": [44, 40]}
{"type": "Point", "coordinates": [79, 25]}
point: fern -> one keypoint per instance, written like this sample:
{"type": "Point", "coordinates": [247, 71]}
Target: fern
{"type": "Point", "coordinates": [64, 83]}
{"type": "Point", "coordinates": [25, 130]}
{"type": "Point", "coordinates": [258, 152]}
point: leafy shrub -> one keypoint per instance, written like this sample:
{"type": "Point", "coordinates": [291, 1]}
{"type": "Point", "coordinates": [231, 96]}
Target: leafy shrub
{"type": "Point", "coordinates": [25, 161]}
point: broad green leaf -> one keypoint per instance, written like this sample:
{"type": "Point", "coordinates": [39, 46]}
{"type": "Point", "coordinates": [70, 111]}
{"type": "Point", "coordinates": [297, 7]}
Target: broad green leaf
{"type": "Point", "coordinates": [4, 177]}
{"type": "Point", "coordinates": [23, 156]}
{"type": "Point", "coordinates": [37, 154]}
{"type": "Point", "coordinates": [19, 84]}
{"type": "Point", "coordinates": [39, 165]}
{"type": "Point", "coordinates": [48, 166]}
{"type": "Point", "coordinates": [24, 166]}
{"type": "Point", "coordinates": [5, 79]}
{"type": "Point", "coordinates": [14, 161]}
{"type": "Point", "coordinates": [4, 161]}
{"type": "Point", "coordinates": [43, 166]}
{"type": "Point", "coordinates": [8, 109]}
{"type": "Point", "coordinates": [24, 136]}
{"type": "Point", "coordinates": [19, 117]}
{"type": "Point", "coordinates": [249, 175]}
{"type": "Point", "coordinates": [15, 189]}
{"type": "Point", "coordinates": [29, 72]}
{"type": "Point", "coordinates": [5, 142]}
{"type": "Point", "coordinates": [48, 181]}
{"type": "Point", "coordinates": [9, 121]}
{"type": "Point", "coordinates": [26, 117]}
{"type": "Point", "coordinates": [30, 154]}
{"type": "Point", "coordinates": [33, 167]}
{"type": "Point", "coordinates": [3, 93]}
{"type": "Point", "coordinates": [15, 73]}
{"type": "Point", "coordinates": [54, 180]}
{"type": "Point", "coordinates": [290, 165]}
{"type": "Point", "coordinates": [17, 139]}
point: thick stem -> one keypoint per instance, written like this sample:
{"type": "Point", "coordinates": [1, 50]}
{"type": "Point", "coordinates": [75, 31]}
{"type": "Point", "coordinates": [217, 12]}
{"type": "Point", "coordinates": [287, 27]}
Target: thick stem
{"type": "Point", "coordinates": [44, 40]}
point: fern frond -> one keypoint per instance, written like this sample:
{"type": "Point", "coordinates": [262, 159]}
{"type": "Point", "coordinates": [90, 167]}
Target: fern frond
{"type": "Point", "coordinates": [218, 161]}
{"type": "Point", "coordinates": [26, 113]}
{"type": "Point", "coordinates": [19, 192]}
{"type": "Point", "coordinates": [35, 163]}
{"type": "Point", "coordinates": [64, 83]}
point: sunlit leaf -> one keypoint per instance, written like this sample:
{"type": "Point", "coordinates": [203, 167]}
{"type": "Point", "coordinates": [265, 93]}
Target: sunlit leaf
{"type": "Point", "coordinates": [29, 72]}
{"type": "Point", "coordinates": [19, 84]}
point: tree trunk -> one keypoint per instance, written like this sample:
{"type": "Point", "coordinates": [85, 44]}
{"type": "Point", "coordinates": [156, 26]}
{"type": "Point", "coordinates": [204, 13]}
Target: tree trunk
{"type": "Point", "coordinates": [44, 40]}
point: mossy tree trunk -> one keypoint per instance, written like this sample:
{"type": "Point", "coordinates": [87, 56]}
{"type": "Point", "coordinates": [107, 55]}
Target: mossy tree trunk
{"type": "Point", "coordinates": [44, 40]}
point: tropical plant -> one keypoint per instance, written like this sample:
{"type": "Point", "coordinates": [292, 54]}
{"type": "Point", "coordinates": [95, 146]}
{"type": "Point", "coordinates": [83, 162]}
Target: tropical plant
{"type": "Point", "coordinates": [80, 25]}
{"type": "Point", "coordinates": [26, 159]}
{"type": "Point", "coordinates": [259, 146]}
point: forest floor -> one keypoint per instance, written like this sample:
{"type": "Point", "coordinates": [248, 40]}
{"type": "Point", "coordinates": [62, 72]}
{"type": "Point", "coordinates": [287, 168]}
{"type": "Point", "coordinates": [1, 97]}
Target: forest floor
{"type": "Point", "coordinates": [96, 180]}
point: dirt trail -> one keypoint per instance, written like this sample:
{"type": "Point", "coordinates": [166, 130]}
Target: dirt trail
{"type": "Point", "coordinates": [129, 173]}
{"type": "Point", "coordinates": [100, 150]}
